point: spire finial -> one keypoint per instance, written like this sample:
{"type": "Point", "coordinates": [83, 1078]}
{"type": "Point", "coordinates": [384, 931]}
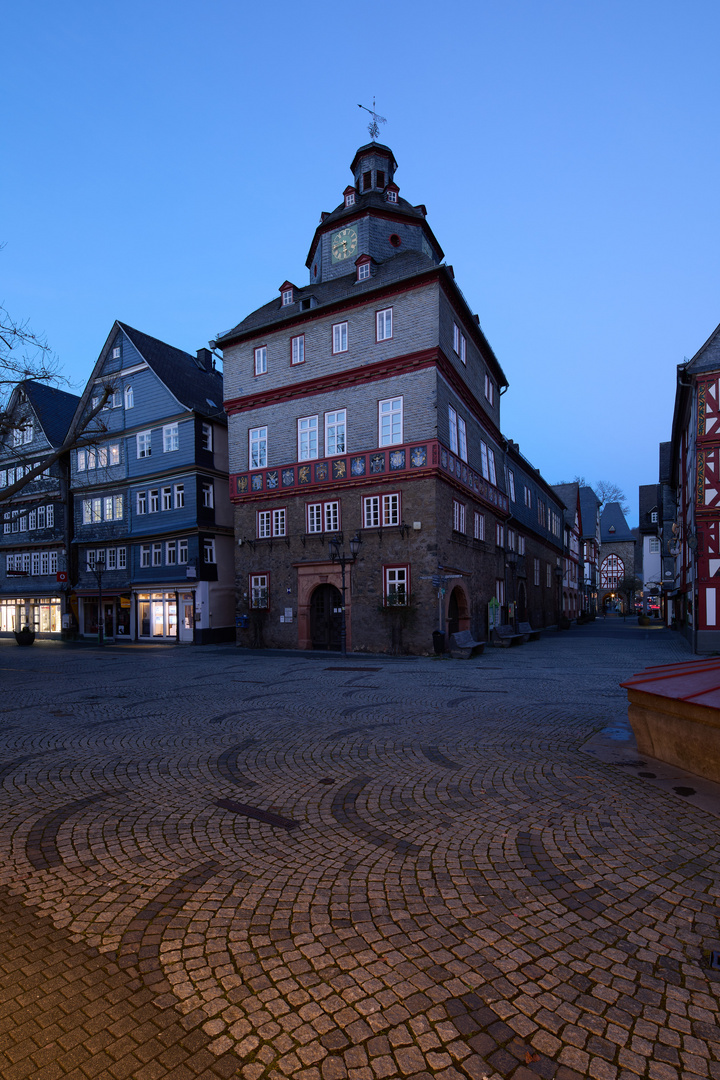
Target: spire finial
{"type": "Point", "coordinates": [373, 125]}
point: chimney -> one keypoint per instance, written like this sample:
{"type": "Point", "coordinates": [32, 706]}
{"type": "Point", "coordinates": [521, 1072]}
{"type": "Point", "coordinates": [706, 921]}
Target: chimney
{"type": "Point", "coordinates": [205, 360]}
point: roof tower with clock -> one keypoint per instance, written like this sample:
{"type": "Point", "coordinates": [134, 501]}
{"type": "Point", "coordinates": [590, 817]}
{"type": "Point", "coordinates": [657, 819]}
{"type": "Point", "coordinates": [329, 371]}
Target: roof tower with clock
{"type": "Point", "coordinates": [373, 220]}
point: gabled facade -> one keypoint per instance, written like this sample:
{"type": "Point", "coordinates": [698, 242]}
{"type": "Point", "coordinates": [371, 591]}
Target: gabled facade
{"type": "Point", "coordinates": [617, 557]}
{"type": "Point", "coordinates": [367, 404]}
{"type": "Point", "coordinates": [36, 523]}
{"type": "Point", "coordinates": [650, 545]}
{"type": "Point", "coordinates": [152, 517]}
{"type": "Point", "coordinates": [572, 574]}
{"type": "Point", "coordinates": [589, 549]}
{"type": "Point", "coordinates": [695, 478]}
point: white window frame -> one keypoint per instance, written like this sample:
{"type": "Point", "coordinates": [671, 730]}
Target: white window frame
{"type": "Point", "coordinates": [154, 501]}
{"type": "Point", "coordinates": [499, 535]}
{"type": "Point", "coordinates": [129, 397]}
{"type": "Point", "coordinates": [390, 417]}
{"type": "Point", "coordinates": [452, 422]}
{"type": "Point", "coordinates": [81, 461]}
{"type": "Point", "coordinates": [170, 553]}
{"type": "Point", "coordinates": [264, 525]}
{"type": "Point", "coordinates": [182, 552]}
{"type": "Point", "coordinates": [257, 439]}
{"type": "Point", "coordinates": [396, 583]}
{"type": "Point", "coordinates": [141, 503]}
{"type": "Point", "coordinates": [209, 550]}
{"type": "Point", "coordinates": [157, 554]}
{"type": "Point", "coordinates": [261, 360]}
{"type": "Point", "coordinates": [350, 198]}
{"type": "Point", "coordinates": [166, 498]}
{"type": "Point", "coordinates": [171, 438]}
{"type": "Point", "coordinates": [297, 349]}
{"type": "Point", "coordinates": [489, 389]}
{"type": "Point", "coordinates": [462, 439]}
{"type": "Point", "coordinates": [279, 521]}
{"type": "Point", "coordinates": [459, 516]}
{"type": "Point", "coordinates": [336, 433]}
{"type": "Point", "coordinates": [527, 497]}
{"type": "Point", "coordinates": [363, 271]}
{"type": "Point", "coordinates": [491, 463]}
{"type": "Point", "coordinates": [144, 444]}
{"type": "Point", "coordinates": [511, 485]}
{"type": "Point", "coordinates": [307, 438]}
{"type": "Point", "coordinates": [391, 509]}
{"type": "Point", "coordinates": [207, 494]}
{"type": "Point", "coordinates": [314, 517]}
{"type": "Point", "coordinates": [179, 496]}
{"type": "Point", "coordinates": [384, 324]}
{"type": "Point", "coordinates": [391, 196]}
{"type": "Point", "coordinates": [479, 526]}
{"type": "Point", "coordinates": [521, 545]}
{"type": "Point", "coordinates": [339, 338]}
{"type": "Point", "coordinates": [259, 592]}
{"type": "Point", "coordinates": [371, 512]}
{"type": "Point", "coordinates": [287, 297]}
{"type": "Point", "coordinates": [206, 437]}
{"type": "Point", "coordinates": [144, 556]}
{"type": "Point", "coordinates": [331, 515]}
{"type": "Point", "coordinates": [484, 460]}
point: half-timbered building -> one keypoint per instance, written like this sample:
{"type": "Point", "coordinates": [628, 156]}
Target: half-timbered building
{"type": "Point", "coordinates": [694, 600]}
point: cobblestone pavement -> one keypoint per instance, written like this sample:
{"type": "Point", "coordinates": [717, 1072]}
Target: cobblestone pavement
{"type": "Point", "coordinates": [222, 863]}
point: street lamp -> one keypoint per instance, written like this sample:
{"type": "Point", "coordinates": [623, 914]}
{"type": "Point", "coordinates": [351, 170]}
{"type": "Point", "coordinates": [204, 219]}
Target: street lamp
{"type": "Point", "coordinates": [98, 568]}
{"type": "Point", "coordinates": [340, 557]}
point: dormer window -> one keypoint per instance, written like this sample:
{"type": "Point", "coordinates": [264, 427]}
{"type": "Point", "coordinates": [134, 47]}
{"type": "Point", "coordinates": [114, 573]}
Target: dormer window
{"type": "Point", "coordinates": [391, 196]}
{"type": "Point", "coordinates": [287, 294]}
{"type": "Point", "coordinates": [363, 271]}
{"type": "Point", "coordinates": [349, 198]}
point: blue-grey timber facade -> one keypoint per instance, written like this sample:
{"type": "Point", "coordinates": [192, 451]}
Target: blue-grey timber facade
{"type": "Point", "coordinates": [152, 520]}
{"type": "Point", "coordinates": [367, 403]}
{"type": "Point", "coordinates": [36, 521]}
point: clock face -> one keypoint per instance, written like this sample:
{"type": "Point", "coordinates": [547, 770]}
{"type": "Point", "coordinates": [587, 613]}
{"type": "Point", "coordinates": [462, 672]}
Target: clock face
{"type": "Point", "coordinates": [343, 244]}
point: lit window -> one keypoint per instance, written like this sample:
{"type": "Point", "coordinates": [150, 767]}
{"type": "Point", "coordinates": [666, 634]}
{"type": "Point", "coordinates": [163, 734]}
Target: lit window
{"type": "Point", "coordinates": [206, 437]}
{"type": "Point", "coordinates": [261, 360]}
{"type": "Point", "coordinates": [144, 444]}
{"type": "Point", "coordinates": [340, 337]}
{"type": "Point", "coordinates": [458, 516]}
{"type": "Point", "coordinates": [297, 349]}
{"type": "Point", "coordinates": [108, 501]}
{"type": "Point", "coordinates": [259, 592]}
{"type": "Point", "coordinates": [114, 453]}
{"type": "Point", "coordinates": [390, 421]}
{"type": "Point", "coordinates": [208, 551]}
{"type": "Point", "coordinates": [396, 585]}
{"type": "Point", "coordinates": [384, 324]}
{"type": "Point", "coordinates": [307, 438]}
{"type": "Point", "coordinates": [335, 432]}
{"type": "Point", "coordinates": [171, 438]}
{"type": "Point", "coordinates": [258, 447]}
{"type": "Point", "coordinates": [391, 509]}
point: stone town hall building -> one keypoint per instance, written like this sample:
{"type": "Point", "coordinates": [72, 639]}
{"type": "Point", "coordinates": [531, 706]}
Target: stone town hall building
{"type": "Point", "coordinates": [367, 404]}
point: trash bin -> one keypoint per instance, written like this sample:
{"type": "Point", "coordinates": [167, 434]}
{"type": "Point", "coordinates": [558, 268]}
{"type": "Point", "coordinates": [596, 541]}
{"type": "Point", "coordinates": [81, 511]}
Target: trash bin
{"type": "Point", "coordinates": [438, 642]}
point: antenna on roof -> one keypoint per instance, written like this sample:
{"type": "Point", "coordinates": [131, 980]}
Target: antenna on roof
{"type": "Point", "coordinates": [373, 126]}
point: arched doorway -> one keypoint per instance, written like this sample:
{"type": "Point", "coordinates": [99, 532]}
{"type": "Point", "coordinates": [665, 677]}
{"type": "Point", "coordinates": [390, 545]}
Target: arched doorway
{"type": "Point", "coordinates": [522, 602]}
{"type": "Point", "coordinates": [325, 617]}
{"type": "Point", "coordinates": [458, 616]}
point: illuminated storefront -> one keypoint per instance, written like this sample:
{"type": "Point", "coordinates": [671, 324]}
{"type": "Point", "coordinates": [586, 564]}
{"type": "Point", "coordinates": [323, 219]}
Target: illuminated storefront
{"type": "Point", "coordinates": [157, 616]}
{"type": "Point", "coordinates": [41, 614]}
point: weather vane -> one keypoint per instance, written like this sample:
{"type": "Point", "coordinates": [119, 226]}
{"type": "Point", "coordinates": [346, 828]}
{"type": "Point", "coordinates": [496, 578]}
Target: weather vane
{"type": "Point", "coordinates": [373, 127]}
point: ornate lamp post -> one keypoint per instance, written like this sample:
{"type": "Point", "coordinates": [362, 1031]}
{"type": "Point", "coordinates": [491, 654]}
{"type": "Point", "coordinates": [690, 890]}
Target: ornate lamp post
{"type": "Point", "coordinates": [340, 557]}
{"type": "Point", "coordinates": [98, 570]}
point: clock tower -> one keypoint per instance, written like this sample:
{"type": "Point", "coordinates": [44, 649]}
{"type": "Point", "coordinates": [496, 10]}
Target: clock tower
{"type": "Point", "coordinates": [372, 221]}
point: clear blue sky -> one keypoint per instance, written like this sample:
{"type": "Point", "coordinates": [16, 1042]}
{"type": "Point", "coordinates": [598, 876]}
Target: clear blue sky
{"type": "Point", "coordinates": [166, 164]}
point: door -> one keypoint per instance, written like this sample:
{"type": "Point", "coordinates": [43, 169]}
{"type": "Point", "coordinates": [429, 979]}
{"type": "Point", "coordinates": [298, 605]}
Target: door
{"type": "Point", "coordinates": [109, 621]}
{"type": "Point", "coordinates": [325, 617]}
{"type": "Point", "coordinates": [187, 616]}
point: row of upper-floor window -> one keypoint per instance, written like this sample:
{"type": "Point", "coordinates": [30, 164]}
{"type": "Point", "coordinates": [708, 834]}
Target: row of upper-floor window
{"type": "Point", "coordinates": [395, 586]}
{"type": "Point", "coordinates": [104, 455]}
{"type": "Point", "coordinates": [169, 553]}
{"type": "Point", "coordinates": [10, 476]}
{"type": "Point", "coordinates": [390, 432]}
{"type": "Point", "coordinates": [460, 350]}
{"type": "Point", "coordinates": [547, 517]}
{"type": "Point", "coordinates": [169, 497]}
{"type": "Point", "coordinates": [339, 341]}
{"type": "Point", "coordinates": [21, 434]}
{"type": "Point", "coordinates": [376, 511]}
{"type": "Point", "coordinates": [32, 562]}
{"type": "Point", "coordinates": [459, 446]}
{"type": "Point", "coordinates": [42, 517]}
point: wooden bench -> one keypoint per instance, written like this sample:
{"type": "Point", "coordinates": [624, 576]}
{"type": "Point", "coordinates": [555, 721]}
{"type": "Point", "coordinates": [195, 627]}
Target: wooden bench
{"type": "Point", "coordinates": [463, 645]}
{"type": "Point", "coordinates": [504, 636]}
{"type": "Point", "coordinates": [530, 634]}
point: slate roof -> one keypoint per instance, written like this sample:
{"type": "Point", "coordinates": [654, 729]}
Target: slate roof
{"type": "Point", "coordinates": [665, 462]}
{"type": "Point", "coordinates": [405, 265]}
{"type": "Point", "coordinates": [648, 500]}
{"type": "Point", "coordinates": [54, 409]}
{"type": "Point", "coordinates": [707, 358]}
{"type": "Point", "coordinates": [370, 200]}
{"type": "Point", "coordinates": [612, 515]}
{"type": "Point", "coordinates": [589, 504]}
{"type": "Point", "coordinates": [197, 389]}
{"type": "Point", "coordinates": [569, 494]}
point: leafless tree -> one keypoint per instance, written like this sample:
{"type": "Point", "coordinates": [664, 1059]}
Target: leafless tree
{"type": "Point", "coordinates": [26, 355]}
{"type": "Point", "coordinates": [608, 492]}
